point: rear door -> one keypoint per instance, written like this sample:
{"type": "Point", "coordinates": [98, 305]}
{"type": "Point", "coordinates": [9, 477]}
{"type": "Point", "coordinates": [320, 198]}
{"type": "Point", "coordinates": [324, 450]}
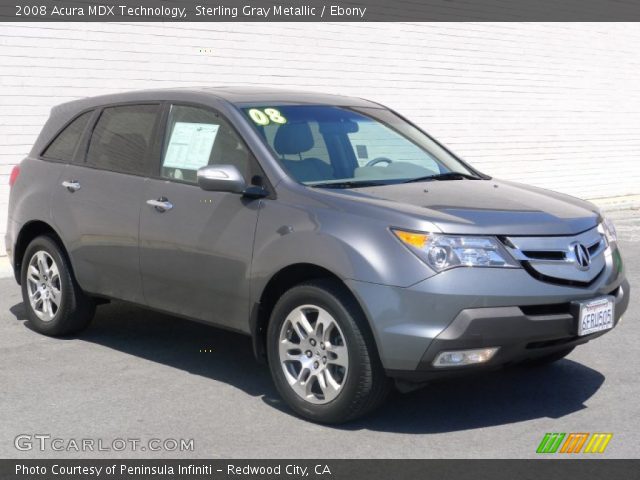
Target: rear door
{"type": "Point", "coordinates": [195, 254]}
{"type": "Point", "coordinates": [97, 203]}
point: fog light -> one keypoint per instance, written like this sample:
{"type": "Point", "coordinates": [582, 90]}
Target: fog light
{"type": "Point", "coordinates": [464, 357]}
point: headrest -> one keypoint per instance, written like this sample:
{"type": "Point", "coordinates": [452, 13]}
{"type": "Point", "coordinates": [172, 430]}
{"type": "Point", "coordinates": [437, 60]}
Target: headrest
{"type": "Point", "coordinates": [293, 138]}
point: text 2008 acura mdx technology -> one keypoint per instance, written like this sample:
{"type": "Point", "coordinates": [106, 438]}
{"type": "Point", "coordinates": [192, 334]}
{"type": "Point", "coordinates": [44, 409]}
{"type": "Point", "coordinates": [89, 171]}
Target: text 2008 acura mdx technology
{"type": "Point", "coordinates": [350, 245]}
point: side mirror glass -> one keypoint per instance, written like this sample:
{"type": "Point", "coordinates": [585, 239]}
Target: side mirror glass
{"type": "Point", "coordinates": [221, 178]}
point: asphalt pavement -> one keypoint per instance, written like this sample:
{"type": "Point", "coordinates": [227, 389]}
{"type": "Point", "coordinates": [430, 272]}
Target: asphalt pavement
{"type": "Point", "coordinates": [136, 375]}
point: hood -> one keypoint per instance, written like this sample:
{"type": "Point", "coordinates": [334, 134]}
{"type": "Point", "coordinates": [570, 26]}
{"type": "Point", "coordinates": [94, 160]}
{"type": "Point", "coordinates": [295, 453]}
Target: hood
{"type": "Point", "coordinates": [489, 207]}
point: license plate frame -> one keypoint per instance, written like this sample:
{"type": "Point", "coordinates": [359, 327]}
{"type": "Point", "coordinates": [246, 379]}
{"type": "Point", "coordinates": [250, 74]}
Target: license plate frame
{"type": "Point", "coordinates": [595, 315]}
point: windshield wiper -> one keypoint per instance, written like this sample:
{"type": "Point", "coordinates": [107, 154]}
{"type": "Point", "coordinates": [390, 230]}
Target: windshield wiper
{"type": "Point", "coordinates": [372, 183]}
{"type": "Point", "coordinates": [444, 176]}
{"type": "Point", "coordinates": [347, 184]}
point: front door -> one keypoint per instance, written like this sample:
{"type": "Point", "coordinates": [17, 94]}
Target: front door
{"type": "Point", "coordinates": [196, 246]}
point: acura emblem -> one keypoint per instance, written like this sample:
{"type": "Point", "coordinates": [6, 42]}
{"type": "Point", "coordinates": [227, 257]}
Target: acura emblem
{"type": "Point", "coordinates": [580, 255]}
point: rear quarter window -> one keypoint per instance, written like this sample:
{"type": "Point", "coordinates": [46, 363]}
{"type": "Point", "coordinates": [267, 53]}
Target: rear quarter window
{"type": "Point", "coordinates": [64, 145]}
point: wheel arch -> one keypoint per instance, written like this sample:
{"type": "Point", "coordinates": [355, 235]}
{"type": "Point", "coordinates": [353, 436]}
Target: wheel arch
{"type": "Point", "coordinates": [29, 231]}
{"type": "Point", "coordinates": [281, 281]}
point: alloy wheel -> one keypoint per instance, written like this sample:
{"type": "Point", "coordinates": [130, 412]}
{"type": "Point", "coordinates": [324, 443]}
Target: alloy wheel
{"type": "Point", "coordinates": [44, 286]}
{"type": "Point", "coordinates": [313, 354]}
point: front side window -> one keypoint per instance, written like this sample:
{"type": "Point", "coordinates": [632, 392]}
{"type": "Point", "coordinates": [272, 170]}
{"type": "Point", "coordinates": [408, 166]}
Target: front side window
{"type": "Point", "coordinates": [323, 145]}
{"type": "Point", "coordinates": [197, 137]}
{"type": "Point", "coordinates": [65, 144]}
{"type": "Point", "coordinates": [122, 137]}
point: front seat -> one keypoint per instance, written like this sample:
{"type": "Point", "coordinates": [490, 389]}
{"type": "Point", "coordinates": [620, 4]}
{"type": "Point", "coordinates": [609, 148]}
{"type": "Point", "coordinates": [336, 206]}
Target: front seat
{"type": "Point", "coordinates": [295, 139]}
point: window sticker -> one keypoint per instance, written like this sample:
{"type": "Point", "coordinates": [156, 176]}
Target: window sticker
{"type": "Point", "coordinates": [190, 145]}
{"type": "Point", "coordinates": [266, 116]}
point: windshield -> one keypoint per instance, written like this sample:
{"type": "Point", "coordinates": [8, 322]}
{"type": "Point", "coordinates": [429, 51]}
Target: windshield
{"type": "Point", "coordinates": [323, 145]}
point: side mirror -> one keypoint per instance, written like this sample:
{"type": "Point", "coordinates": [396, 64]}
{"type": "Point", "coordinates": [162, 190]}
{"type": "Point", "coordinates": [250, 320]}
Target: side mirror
{"type": "Point", "coordinates": [221, 178]}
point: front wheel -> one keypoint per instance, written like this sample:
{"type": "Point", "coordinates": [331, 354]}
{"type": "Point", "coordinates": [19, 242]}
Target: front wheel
{"type": "Point", "coordinates": [54, 302]}
{"type": "Point", "coordinates": [322, 356]}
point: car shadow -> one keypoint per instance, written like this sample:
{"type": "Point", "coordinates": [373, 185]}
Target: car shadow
{"type": "Point", "coordinates": [490, 399]}
{"type": "Point", "coordinates": [512, 395]}
{"type": "Point", "coordinates": [196, 348]}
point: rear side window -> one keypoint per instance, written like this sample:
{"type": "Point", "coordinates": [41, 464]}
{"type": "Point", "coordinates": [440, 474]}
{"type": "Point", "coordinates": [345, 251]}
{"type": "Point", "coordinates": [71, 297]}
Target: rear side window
{"type": "Point", "coordinates": [65, 144]}
{"type": "Point", "coordinates": [122, 137]}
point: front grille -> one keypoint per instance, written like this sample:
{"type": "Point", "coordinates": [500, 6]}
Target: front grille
{"type": "Point", "coordinates": [555, 308]}
{"type": "Point", "coordinates": [559, 259]}
{"type": "Point", "coordinates": [556, 280]}
{"type": "Point", "coordinates": [593, 249]}
{"type": "Point", "coordinates": [545, 255]}
{"type": "Point", "coordinates": [550, 309]}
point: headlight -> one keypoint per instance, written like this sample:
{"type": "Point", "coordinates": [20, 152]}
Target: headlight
{"type": "Point", "coordinates": [442, 252]}
{"type": "Point", "coordinates": [609, 230]}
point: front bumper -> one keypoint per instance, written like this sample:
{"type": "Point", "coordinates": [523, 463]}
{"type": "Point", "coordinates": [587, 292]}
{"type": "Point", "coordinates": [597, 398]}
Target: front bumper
{"type": "Point", "coordinates": [521, 333]}
{"type": "Point", "coordinates": [468, 308]}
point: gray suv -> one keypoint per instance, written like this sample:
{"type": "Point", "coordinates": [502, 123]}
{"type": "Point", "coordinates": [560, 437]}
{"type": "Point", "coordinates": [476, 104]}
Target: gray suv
{"type": "Point", "coordinates": [354, 249]}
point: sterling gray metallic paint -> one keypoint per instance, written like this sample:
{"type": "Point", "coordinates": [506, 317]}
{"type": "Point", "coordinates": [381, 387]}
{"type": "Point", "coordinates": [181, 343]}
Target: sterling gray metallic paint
{"type": "Point", "coordinates": [211, 262]}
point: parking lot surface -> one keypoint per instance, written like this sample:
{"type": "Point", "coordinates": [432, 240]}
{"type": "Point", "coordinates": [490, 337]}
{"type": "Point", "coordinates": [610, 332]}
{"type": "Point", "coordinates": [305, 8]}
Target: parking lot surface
{"type": "Point", "coordinates": [140, 375]}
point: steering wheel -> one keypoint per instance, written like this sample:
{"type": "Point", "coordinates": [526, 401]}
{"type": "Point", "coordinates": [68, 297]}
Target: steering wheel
{"type": "Point", "coordinates": [378, 160]}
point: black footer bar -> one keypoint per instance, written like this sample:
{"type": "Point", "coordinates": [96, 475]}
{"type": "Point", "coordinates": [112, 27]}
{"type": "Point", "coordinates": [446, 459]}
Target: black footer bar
{"type": "Point", "coordinates": [542, 469]}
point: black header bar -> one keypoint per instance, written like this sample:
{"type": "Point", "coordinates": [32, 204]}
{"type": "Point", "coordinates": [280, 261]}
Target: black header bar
{"type": "Point", "coordinates": [318, 10]}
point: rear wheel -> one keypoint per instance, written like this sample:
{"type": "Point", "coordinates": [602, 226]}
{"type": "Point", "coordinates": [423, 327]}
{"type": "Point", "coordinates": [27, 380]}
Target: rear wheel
{"type": "Point", "coordinates": [322, 357]}
{"type": "Point", "coordinates": [54, 302]}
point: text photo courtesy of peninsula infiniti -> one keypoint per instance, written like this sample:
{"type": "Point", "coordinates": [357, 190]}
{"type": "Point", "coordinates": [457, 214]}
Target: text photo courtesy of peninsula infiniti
{"type": "Point", "coordinates": [355, 250]}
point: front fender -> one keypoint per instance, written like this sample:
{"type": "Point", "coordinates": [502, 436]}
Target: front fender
{"type": "Point", "coordinates": [352, 247]}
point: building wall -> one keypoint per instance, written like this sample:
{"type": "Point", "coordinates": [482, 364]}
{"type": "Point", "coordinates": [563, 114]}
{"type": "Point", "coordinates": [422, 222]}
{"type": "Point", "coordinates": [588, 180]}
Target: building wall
{"type": "Point", "coordinates": [555, 105]}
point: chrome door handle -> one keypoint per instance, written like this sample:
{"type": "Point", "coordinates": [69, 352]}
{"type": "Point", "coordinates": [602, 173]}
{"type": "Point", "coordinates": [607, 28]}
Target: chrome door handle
{"type": "Point", "coordinates": [161, 204]}
{"type": "Point", "coordinates": [72, 186]}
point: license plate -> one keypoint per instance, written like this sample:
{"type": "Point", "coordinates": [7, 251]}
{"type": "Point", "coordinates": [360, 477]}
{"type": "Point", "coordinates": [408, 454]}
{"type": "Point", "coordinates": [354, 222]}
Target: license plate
{"type": "Point", "coordinates": [595, 316]}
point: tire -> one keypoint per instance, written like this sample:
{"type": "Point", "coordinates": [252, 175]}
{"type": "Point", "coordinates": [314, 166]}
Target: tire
{"type": "Point", "coordinates": [345, 376]}
{"type": "Point", "coordinates": [548, 359]}
{"type": "Point", "coordinates": [69, 309]}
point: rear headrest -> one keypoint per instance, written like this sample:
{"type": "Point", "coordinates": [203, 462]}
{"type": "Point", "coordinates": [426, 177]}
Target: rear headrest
{"type": "Point", "coordinates": [293, 138]}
